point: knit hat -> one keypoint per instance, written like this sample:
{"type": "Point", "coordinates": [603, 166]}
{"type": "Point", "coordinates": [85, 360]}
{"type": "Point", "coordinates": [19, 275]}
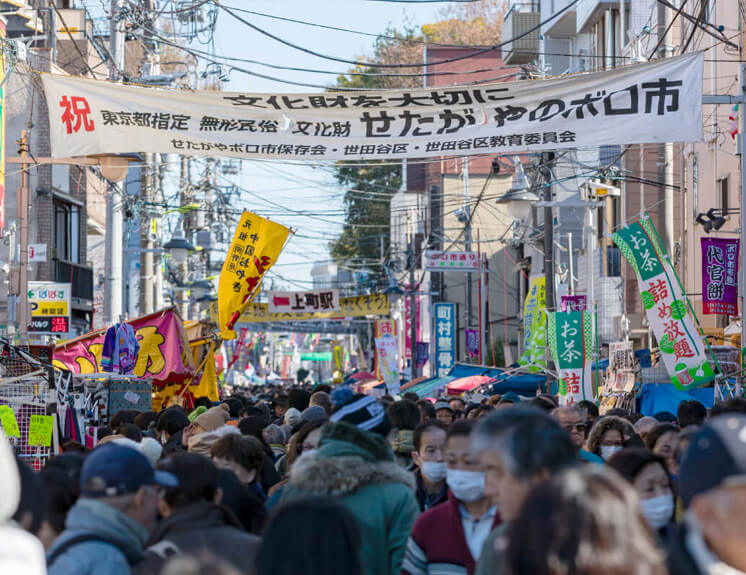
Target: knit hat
{"type": "Point", "coordinates": [313, 412]}
{"type": "Point", "coordinates": [364, 412]}
{"type": "Point", "coordinates": [213, 418]}
{"type": "Point", "coordinates": [298, 398]}
{"type": "Point", "coordinates": [341, 395]}
{"type": "Point", "coordinates": [197, 412]}
{"type": "Point", "coordinates": [151, 448]}
{"type": "Point", "coordinates": [292, 416]}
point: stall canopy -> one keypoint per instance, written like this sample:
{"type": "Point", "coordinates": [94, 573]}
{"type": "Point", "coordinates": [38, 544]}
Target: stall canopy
{"type": "Point", "coordinates": [658, 397]}
{"type": "Point", "coordinates": [429, 387]}
{"type": "Point", "coordinates": [467, 384]}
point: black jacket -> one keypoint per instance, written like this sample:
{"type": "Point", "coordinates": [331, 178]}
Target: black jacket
{"type": "Point", "coordinates": [678, 558]}
{"type": "Point", "coordinates": [174, 445]}
{"type": "Point", "coordinates": [200, 527]}
{"type": "Point", "coordinates": [424, 500]}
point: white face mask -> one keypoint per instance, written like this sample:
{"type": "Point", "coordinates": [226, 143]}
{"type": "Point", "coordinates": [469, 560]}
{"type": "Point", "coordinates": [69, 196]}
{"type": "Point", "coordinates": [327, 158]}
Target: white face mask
{"type": "Point", "coordinates": [163, 439]}
{"type": "Point", "coordinates": [435, 471]}
{"type": "Point", "coordinates": [466, 485]}
{"type": "Point", "coordinates": [608, 450]}
{"type": "Point", "coordinates": [658, 511]}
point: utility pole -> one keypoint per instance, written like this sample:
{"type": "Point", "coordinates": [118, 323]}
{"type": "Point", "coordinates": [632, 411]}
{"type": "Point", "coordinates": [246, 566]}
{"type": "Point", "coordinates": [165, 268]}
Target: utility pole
{"type": "Point", "coordinates": [148, 283]}
{"type": "Point", "coordinates": [412, 305]}
{"type": "Point", "coordinates": [570, 265]}
{"type": "Point", "coordinates": [113, 247]}
{"type": "Point", "coordinates": [667, 150]}
{"type": "Point", "coordinates": [23, 307]}
{"type": "Point", "coordinates": [548, 158]}
{"type": "Point", "coordinates": [467, 234]}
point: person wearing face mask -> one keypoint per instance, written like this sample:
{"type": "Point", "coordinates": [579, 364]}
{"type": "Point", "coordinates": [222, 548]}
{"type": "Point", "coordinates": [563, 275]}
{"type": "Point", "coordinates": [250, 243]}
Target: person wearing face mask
{"type": "Point", "coordinates": [647, 473]}
{"type": "Point", "coordinates": [429, 440]}
{"type": "Point", "coordinates": [453, 534]}
{"type": "Point", "coordinates": [169, 427]}
{"type": "Point", "coordinates": [520, 448]}
{"type": "Point", "coordinates": [609, 435]}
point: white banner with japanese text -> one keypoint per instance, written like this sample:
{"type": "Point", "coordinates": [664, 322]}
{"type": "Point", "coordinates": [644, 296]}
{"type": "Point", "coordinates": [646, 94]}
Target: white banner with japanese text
{"type": "Point", "coordinates": [448, 261]}
{"type": "Point", "coordinates": [659, 101]}
{"type": "Point", "coordinates": [666, 306]}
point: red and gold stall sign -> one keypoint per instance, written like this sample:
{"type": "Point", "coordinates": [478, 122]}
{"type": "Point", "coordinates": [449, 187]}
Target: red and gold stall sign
{"type": "Point", "coordinates": [164, 350]}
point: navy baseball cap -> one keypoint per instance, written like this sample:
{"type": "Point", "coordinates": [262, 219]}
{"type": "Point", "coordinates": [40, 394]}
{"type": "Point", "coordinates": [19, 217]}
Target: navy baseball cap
{"type": "Point", "coordinates": [113, 469]}
{"type": "Point", "coordinates": [716, 456]}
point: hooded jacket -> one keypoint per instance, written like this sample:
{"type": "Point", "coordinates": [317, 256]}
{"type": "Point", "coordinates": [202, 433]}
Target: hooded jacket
{"type": "Point", "coordinates": [357, 468]}
{"type": "Point", "coordinates": [201, 526]}
{"type": "Point", "coordinates": [20, 552]}
{"type": "Point", "coordinates": [124, 546]}
{"type": "Point", "coordinates": [403, 446]}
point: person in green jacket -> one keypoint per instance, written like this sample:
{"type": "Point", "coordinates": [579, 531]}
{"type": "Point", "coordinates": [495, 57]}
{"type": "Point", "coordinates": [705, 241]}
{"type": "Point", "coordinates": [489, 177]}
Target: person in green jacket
{"type": "Point", "coordinates": [355, 466]}
{"type": "Point", "coordinates": [520, 448]}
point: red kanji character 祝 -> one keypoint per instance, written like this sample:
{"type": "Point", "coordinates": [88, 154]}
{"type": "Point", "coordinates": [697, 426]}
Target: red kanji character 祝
{"type": "Point", "coordinates": [75, 114]}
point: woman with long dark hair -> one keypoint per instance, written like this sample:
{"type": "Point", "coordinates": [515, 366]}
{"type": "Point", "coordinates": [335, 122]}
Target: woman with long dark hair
{"type": "Point", "coordinates": [314, 536]}
{"type": "Point", "coordinates": [583, 521]}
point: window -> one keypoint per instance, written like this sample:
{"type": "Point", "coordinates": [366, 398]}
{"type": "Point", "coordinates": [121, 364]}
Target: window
{"type": "Point", "coordinates": [613, 261]}
{"type": "Point", "coordinates": [66, 232]}
{"type": "Point", "coordinates": [723, 192]}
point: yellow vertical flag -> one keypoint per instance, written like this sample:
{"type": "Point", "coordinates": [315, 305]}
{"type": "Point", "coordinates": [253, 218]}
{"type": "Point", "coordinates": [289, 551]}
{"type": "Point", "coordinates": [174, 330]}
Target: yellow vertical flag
{"type": "Point", "coordinates": [256, 245]}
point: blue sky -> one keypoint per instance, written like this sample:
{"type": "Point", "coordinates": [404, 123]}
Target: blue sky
{"type": "Point", "coordinates": [307, 187]}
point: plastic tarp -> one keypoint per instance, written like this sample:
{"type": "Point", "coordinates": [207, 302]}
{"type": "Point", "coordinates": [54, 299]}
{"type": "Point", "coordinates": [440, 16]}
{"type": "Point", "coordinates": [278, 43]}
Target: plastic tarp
{"type": "Point", "coordinates": [665, 397]}
{"type": "Point", "coordinates": [429, 387]}
{"type": "Point", "coordinates": [523, 384]}
{"type": "Point", "coordinates": [414, 382]}
{"type": "Point", "coordinates": [466, 384]}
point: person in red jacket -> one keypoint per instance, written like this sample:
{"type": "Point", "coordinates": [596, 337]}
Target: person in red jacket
{"type": "Point", "coordinates": [451, 535]}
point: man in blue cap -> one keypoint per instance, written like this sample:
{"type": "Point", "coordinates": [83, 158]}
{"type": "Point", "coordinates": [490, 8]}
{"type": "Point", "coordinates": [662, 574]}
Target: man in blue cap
{"type": "Point", "coordinates": [108, 526]}
{"type": "Point", "coordinates": [712, 483]}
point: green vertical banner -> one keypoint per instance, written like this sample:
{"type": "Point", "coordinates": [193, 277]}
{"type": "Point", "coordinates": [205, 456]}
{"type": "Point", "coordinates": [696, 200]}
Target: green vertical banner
{"type": "Point", "coordinates": [665, 303]}
{"type": "Point", "coordinates": [534, 325]}
{"type": "Point", "coordinates": [571, 341]}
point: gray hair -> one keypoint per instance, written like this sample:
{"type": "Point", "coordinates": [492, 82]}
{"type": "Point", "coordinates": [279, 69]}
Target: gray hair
{"type": "Point", "coordinates": [274, 434]}
{"type": "Point", "coordinates": [489, 429]}
{"type": "Point", "coordinates": [534, 446]}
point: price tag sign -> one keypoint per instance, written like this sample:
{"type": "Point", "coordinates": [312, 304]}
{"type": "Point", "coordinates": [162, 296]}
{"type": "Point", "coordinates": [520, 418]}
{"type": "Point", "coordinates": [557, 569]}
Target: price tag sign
{"type": "Point", "coordinates": [40, 430]}
{"type": "Point", "coordinates": [8, 421]}
{"type": "Point", "coordinates": [132, 397]}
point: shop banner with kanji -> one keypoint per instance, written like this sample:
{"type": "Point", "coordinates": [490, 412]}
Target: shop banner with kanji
{"type": "Point", "coordinates": [534, 325]}
{"type": "Point", "coordinates": [666, 305]}
{"type": "Point", "coordinates": [256, 245]}
{"type": "Point", "coordinates": [164, 352]}
{"type": "Point", "coordinates": [387, 352]}
{"type": "Point", "coordinates": [720, 276]}
{"type": "Point", "coordinates": [376, 304]}
{"type": "Point", "coordinates": [383, 327]}
{"type": "Point", "coordinates": [444, 333]}
{"type": "Point", "coordinates": [570, 336]}
{"type": "Point", "coordinates": [303, 301]}
{"type": "Point", "coordinates": [659, 101]}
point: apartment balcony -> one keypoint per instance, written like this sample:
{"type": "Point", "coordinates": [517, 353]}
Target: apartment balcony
{"type": "Point", "coordinates": [590, 12]}
{"type": "Point", "coordinates": [518, 21]}
{"type": "Point", "coordinates": [80, 278]}
{"type": "Point", "coordinates": [562, 26]}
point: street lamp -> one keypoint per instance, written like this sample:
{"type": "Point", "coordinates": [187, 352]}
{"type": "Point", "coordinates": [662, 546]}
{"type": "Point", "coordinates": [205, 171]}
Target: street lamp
{"type": "Point", "coordinates": [200, 289]}
{"type": "Point", "coordinates": [178, 247]}
{"type": "Point", "coordinates": [519, 198]}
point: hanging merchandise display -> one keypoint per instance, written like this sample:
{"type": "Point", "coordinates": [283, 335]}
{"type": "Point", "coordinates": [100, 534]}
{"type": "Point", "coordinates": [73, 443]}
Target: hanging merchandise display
{"type": "Point", "coordinates": [119, 354]}
{"type": "Point", "coordinates": [570, 336]}
{"type": "Point", "coordinates": [667, 308]}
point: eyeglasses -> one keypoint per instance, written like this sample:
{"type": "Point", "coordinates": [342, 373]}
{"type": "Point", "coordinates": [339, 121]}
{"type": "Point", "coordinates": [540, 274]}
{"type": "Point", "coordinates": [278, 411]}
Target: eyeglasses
{"type": "Point", "coordinates": [574, 427]}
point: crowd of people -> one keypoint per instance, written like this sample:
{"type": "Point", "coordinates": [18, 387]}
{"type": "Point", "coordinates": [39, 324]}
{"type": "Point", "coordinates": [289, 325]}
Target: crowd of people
{"type": "Point", "coordinates": [324, 481]}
